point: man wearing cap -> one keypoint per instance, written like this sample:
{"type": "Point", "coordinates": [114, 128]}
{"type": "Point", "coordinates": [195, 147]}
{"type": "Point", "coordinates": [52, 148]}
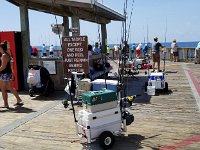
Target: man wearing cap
{"type": "Point", "coordinates": [156, 53]}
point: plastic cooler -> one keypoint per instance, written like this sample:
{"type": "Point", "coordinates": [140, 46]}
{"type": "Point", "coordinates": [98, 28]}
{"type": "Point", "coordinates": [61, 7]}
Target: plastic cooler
{"type": "Point", "coordinates": [157, 76]}
{"type": "Point", "coordinates": [85, 84]}
{"type": "Point", "coordinates": [98, 97]}
{"type": "Point", "coordinates": [95, 123]}
{"type": "Point", "coordinates": [99, 84]}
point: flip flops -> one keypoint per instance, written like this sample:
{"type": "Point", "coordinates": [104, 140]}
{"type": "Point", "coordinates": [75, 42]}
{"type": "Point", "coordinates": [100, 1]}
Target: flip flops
{"type": "Point", "coordinates": [19, 104]}
{"type": "Point", "coordinates": [5, 107]}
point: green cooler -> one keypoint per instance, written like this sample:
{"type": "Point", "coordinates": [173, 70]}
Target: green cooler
{"type": "Point", "coordinates": [95, 101]}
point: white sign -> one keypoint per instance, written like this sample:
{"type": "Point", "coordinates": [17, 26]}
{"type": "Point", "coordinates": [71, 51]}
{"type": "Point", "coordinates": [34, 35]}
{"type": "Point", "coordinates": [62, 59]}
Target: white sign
{"type": "Point", "coordinates": [50, 66]}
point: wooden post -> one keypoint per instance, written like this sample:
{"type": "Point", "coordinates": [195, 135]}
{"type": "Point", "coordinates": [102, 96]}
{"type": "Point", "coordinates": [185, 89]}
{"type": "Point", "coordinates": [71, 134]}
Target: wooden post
{"type": "Point", "coordinates": [66, 26]}
{"type": "Point", "coordinates": [104, 38]}
{"type": "Point", "coordinates": [186, 55]}
{"type": "Point", "coordinates": [75, 24]}
{"type": "Point", "coordinates": [25, 37]}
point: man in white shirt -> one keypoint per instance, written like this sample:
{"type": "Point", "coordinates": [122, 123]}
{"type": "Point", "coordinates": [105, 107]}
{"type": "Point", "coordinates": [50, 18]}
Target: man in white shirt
{"type": "Point", "coordinates": [51, 50]}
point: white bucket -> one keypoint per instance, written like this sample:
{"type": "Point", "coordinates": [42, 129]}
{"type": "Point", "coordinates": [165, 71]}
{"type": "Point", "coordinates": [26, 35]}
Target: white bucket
{"type": "Point", "coordinates": [151, 90]}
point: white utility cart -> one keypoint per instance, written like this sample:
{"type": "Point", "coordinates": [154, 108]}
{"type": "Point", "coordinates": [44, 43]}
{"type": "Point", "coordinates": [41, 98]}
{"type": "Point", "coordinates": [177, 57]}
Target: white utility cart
{"type": "Point", "coordinates": [103, 115]}
{"type": "Point", "coordinates": [157, 79]}
{"type": "Point", "coordinates": [102, 118]}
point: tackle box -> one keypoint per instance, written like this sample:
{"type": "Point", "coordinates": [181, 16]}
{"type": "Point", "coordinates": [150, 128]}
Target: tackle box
{"type": "Point", "coordinates": [99, 97]}
{"type": "Point", "coordinates": [100, 84]}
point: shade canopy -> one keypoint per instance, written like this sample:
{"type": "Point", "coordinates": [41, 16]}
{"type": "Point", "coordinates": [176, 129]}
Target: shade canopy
{"type": "Point", "coordinates": [89, 10]}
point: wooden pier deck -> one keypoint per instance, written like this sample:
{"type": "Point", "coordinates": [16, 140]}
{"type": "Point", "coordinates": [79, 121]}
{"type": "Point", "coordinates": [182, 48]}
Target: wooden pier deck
{"type": "Point", "coordinates": [163, 122]}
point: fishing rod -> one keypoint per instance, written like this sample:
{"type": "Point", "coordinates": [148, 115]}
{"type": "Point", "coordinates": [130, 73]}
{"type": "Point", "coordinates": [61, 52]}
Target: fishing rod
{"type": "Point", "coordinates": [165, 49]}
{"type": "Point", "coordinates": [130, 20]}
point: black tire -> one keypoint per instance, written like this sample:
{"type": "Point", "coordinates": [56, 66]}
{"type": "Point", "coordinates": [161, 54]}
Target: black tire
{"type": "Point", "coordinates": [166, 87]}
{"type": "Point", "coordinates": [145, 86]}
{"type": "Point", "coordinates": [31, 93]}
{"type": "Point", "coordinates": [46, 93]}
{"type": "Point", "coordinates": [139, 66]}
{"type": "Point", "coordinates": [51, 86]}
{"type": "Point", "coordinates": [106, 140]}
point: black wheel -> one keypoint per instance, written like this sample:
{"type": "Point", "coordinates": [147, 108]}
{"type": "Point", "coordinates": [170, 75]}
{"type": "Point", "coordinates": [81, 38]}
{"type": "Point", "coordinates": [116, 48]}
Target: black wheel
{"type": "Point", "coordinates": [166, 87]}
{"type": "Point", "coordinates": [51, 86]}
{"type": "Point", "coordinates": [145, 87]}
{"type": "Point", "coordinates": [139, 66]}
{"type": "Point", "coordinates": [46, 93]}
{"type": "Point", "coordinates": [31, 92]}
{"type": "Point", "coordinates": [106, 140]}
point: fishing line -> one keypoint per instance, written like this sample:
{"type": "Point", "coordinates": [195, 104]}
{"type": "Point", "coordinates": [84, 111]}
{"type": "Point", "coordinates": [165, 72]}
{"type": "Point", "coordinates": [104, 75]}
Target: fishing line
{"type": "Point", "coordinates": [129, 28]}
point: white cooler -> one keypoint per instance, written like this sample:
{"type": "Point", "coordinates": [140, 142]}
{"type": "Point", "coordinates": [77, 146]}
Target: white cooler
{"type": "Point", "coordinates": [93, 124]}
{"type": "Point", "coordinates": [99, 84]}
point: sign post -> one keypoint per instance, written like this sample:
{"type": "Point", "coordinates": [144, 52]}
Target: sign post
{"type": "Point", "coordinates": [75, 54]}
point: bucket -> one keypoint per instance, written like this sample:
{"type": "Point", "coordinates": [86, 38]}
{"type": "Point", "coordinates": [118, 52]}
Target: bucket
{"type": "Point", "coordinates": [151, 90]}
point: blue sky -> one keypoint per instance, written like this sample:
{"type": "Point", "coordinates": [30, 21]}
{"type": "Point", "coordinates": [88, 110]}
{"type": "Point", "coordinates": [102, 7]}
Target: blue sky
{"type": "Point", "coordinates": [181, 17]}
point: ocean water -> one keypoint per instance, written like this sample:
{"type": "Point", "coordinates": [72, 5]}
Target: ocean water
{"type": "Point", "coordinates": [167, 44]}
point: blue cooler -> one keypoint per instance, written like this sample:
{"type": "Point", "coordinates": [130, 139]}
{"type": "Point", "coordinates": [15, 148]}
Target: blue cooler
{"type": "Point", "coordinates": [157, 76]}
{"type": "Point", "coordinates": [99, 84]}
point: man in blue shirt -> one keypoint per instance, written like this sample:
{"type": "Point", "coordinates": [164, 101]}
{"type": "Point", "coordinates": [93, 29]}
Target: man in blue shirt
{"type": "Point", "coordinates": [96, 48]}
{"type": "Point", "coordinates": [44, 51]}
{"type": "Point", "coordinates": [145, 49]}
{"type": "Point", "coordinates": [156, 53]}
{"type": "Point", "coordinates": [132, 52]}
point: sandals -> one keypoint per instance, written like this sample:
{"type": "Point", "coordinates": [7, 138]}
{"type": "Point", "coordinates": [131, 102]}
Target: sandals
{"type": "Point", "coordinates": [5, 107]}
{"type": "Point", "coordinates": [19, 104]}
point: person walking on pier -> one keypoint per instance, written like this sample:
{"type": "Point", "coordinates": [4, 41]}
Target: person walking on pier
{"type": "Point", "coordinates": [174, 50]}
{"type": "Point", "coordinates": [156, 53]}
{"type": "Point", "coordinates": [6, 73]}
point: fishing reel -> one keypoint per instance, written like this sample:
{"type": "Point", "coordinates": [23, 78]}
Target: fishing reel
{"type": "Point", "coordinates": [127, 101]}
{"type": "Point", "coordinates": [131, 99]}
{"type": "Point", "coordinates": [65, 103]}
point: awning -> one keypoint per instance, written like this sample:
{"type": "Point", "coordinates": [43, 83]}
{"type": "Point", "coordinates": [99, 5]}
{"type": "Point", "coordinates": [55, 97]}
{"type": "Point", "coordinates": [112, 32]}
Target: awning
{"type": "Point", "coordinates": [89, 10]}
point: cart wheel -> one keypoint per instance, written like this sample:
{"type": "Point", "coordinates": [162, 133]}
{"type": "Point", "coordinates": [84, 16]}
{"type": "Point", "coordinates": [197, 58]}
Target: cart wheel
{"type": "Point", "coordinates": [166, 87]}
{"type": "Point", "coordinates": [31, 92]}
{"type": "Point", "coordinates": [139, 66]}
{"type": "Point", "coordinates": [145, 87]}
{"type": "Point", "coordinates": [52, 89]}
{"type": "Point", "coordinates": [106, 140]}
{"type": "Point", "coordinates": [46, 93]}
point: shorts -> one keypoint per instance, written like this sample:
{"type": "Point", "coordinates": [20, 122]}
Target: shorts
{"type": "Point", "coordinates": [6, 76]}
{"type": "Point", "coordinates": [156, 57]}
{"type": "Point", "coordinates": [175, 54]}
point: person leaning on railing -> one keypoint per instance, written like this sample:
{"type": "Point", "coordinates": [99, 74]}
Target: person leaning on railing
{"type": "Point", "coordinates": [174, 50]}
{"type": "Point", "coordinates": [197, 54]}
